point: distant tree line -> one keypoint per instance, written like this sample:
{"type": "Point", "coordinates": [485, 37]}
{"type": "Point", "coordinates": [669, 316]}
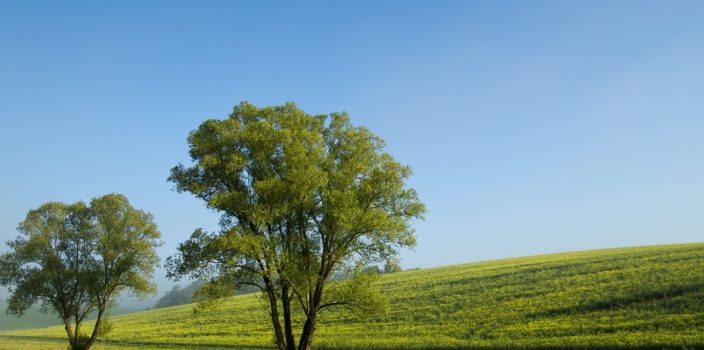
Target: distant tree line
{"type": "Point", "coordinates": [189, 294]}
{"type": "Point", "coordinates": [179, 295]}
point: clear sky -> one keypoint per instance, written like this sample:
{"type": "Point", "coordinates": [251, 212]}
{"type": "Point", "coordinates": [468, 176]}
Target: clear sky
{"type": "Point", "coordinates": [532, 127]}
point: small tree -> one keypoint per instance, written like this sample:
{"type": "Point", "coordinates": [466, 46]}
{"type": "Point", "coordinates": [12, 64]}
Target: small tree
{"type": "Point", "coordinates": [302, 198]}
{"type": "Point", "coordinates": [392, 266]}
{"type": "Point", "coordinates": [75, 259]}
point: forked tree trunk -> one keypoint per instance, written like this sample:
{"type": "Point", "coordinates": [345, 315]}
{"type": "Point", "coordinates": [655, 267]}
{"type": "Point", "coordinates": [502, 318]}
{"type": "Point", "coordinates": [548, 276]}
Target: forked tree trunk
{"type": "Point", "coordinates": [306, 342]}
{"type": "Point", "coordinates": [96, 329]}
{"type": "Point", "coordinates": [71, 339]}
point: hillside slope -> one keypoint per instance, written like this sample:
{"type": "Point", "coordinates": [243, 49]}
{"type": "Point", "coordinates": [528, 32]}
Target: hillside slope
{"type": "Point", "coordinates": [35, 318]}
{"type": "Point", "coordinates": [643, 297]}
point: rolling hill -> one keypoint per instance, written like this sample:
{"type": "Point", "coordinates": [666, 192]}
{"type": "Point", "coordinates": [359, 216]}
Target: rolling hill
{"type": "Point", "coordinates": [640, 298]}
{"type": "Point", "coordinates": [35, 318]}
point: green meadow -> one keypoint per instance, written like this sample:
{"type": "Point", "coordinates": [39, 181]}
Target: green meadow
{"type": "Point", "coordinates": [631, 298]}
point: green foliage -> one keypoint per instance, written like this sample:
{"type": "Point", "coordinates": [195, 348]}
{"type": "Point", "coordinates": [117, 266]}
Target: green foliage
{"type": "Point", "coordinates": [105, 327]}
{"type": "Point", "coordinates": [125, 254]}
{"type": "Point", "coordinates": [74, 259]}
{"type": "Point", "coordinates": [46, 264]}
{"type": "Point", "coordinates": [630, 298]}
{"type": "Point", "coordinates": [357, 294]}
{"type": "Point", "coordinates": [301, 198]}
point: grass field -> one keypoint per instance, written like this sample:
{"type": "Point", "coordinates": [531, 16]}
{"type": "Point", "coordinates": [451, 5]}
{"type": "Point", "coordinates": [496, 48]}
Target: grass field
{"type": "Point", "coordinates": [34, 318]}
{"type": "Point", "coordinates": [640, 298]}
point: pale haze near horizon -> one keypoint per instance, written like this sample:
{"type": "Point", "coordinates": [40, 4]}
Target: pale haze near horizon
{"type": "Point", "coordinates": [532, 127]}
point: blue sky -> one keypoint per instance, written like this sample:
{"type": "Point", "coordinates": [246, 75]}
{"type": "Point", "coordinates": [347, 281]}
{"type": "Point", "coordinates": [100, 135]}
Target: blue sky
{"type": "Point", "coordinates": [532, 127]}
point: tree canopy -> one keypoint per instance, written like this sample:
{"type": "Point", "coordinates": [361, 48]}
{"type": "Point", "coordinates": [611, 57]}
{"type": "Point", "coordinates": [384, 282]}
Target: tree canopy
{"type": "Point", "coordinates": [302, 197]}
{"type": "Point", "coordinates": [74, 259]}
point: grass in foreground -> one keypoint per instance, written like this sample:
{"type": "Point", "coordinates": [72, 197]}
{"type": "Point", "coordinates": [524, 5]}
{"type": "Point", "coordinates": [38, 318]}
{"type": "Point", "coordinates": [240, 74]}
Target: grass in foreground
{"type": "Point", "coordinates": [644, 297]}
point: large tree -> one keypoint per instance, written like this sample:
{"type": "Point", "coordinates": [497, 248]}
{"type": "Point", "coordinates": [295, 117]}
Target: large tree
{"type": "Point", "coordinates": [76, 259]}
{"type": "Point", "coordinates": [302, 197]}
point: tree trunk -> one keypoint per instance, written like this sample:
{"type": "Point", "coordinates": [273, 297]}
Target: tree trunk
{"type": "Point", "coordinates": [315, 299]}
{"type": "Point", "coordinates": [96, 329]}
{"type": "Point", "coordinates": [71, 338]}
{"type": "Point", "coordinates": [77, 330]}
{"type": "Point", "coordinates": [271, 293]}
{"type": "Point", "coordinates": [288, 329]}
{"type": "Point", "coordinates": [306, 341]}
